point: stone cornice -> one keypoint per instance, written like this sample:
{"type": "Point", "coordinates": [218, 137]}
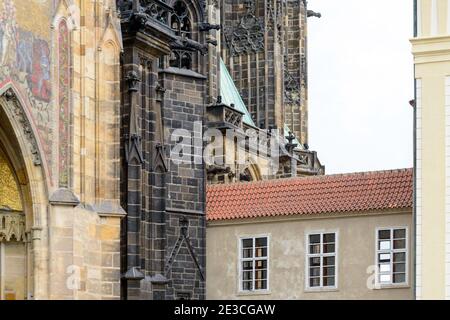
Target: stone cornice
{"type": "Point", "coordinates": [431, 49]}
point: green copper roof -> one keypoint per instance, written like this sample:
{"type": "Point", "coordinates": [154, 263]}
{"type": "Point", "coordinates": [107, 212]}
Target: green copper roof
{"type": "Point", "coordinates": [230, 94]}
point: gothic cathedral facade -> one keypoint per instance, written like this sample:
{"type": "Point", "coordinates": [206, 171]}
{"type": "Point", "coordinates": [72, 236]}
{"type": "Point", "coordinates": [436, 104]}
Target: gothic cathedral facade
{"type": "Point", "coordinates": [96, 98]}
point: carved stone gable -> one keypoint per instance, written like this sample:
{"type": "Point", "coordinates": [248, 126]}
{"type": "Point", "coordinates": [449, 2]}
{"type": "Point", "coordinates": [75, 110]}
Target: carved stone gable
{"type": "Point", "coordinates": [12, 226]}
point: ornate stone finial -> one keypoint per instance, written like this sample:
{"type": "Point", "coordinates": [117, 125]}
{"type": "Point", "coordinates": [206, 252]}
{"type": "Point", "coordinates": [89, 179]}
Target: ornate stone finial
{"type": "Point", "coordinates": [133, 81]}
{"type": "Point", "coordinates": [290, 137]}
{"type": "Point", "coordinates": [290, 146]}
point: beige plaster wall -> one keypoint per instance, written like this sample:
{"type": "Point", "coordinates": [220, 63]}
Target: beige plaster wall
{"type": "Point", "coordinates": [356, 253]}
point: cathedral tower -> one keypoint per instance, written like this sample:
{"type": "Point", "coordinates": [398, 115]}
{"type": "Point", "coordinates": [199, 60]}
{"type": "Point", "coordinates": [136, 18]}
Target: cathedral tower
{"type": "Point", "coordinates": [264, 45]}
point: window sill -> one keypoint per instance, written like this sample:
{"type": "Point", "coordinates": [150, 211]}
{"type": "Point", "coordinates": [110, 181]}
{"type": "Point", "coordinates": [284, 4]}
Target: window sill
{"type": "Point", "coordinates": [253, 293]}
{"type": "Point", "coordinates": [318, 290]}
{"type": "Point", "coordinates": [391, 286]}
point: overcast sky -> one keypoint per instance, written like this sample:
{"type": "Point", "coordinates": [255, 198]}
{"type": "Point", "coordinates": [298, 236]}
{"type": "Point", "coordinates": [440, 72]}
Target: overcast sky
{"type": "Point", "coordinates": [360, 82]}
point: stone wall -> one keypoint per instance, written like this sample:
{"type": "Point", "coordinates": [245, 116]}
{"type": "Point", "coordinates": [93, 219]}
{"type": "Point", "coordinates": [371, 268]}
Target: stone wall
{"type": "Point", "coordinates": [59, 81]}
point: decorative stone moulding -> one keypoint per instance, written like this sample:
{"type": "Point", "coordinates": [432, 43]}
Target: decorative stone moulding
{"type": "Point", "coordinates": [12, 226]}
{"type": "Point", "coordinates": [21, 117]}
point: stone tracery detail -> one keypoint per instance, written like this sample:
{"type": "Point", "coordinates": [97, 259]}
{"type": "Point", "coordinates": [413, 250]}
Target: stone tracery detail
{"type": "Point", "coordinates": [248, 35]}
{"type": "Point", "coordinates": [182, 26]}
{"type": "Point", "coordinates": [12, 226]}
{"type": "Point", "coordinates": [292, 89]}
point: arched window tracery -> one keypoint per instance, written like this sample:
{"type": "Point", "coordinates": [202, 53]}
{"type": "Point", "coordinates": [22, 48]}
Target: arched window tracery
{"type": "Point", "coordinates": [181, 23]}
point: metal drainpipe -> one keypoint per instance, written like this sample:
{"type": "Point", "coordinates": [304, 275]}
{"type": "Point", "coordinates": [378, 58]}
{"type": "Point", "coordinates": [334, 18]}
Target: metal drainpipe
{"type": "Point", "coordinates": [415, 164]}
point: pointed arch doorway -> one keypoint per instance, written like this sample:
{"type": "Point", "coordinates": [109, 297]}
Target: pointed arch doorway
{"type": "Point", "coordinates": [13, 244]}
{"type": "Point", "coordinates": [23, 196]}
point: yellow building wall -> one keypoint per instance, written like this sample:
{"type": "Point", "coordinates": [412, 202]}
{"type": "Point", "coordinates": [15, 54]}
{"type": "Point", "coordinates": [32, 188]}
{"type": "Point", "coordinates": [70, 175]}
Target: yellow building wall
{"type": "Point", "coordinates": [431, 49]}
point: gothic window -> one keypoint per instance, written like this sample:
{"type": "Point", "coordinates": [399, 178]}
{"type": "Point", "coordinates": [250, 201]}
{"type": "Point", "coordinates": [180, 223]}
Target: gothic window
{"type": "Point", "coordinates": [182, 25]}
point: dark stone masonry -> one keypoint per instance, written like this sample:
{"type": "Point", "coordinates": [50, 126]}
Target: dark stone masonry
{"type": "Point", "coordinates": [170, 79]}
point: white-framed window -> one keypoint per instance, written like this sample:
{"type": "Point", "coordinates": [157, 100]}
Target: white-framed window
{"type": "Point", "coordinates": [254, 264]}
{"type": "Point", "coordinates": [321, 260]}
{"type": "Point", "coordinates": [392, 256]}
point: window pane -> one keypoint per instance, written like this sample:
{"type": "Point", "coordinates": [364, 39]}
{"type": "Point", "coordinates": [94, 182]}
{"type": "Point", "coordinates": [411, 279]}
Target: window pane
{"type": "Point", "coordinates": [384, 257]}
{"type": "Point", "coordinates": [329, 261]}
{"type": "Point", "coordinates": [261, 242]}
{"type": "Point", "coordinates": [314, 262]}
{"type": "Point", "coordinates": [314, 238]}
{"type": "Point", "coordinates": [314, 249]}
{"type": "Point", "coordinates": [399, 278]}
{"type": "Point", "coordinates": [329, 248]}
{"type": "Point", "coordinates": [261, 274]}
{"type": "Point", "coordinates": [260, 252]}
{"type": "Point", "coordinates": [314, 272]}
{"type": "Point", "coordinates": [399, 244]}
{"type": "Point", "coordinates": [247, 285]}
{"type": "Point", "coordinates": [384, 245]}
{"type": "Point", "coordinates": [400, 234]}
{"type": "Point", "coordinates": [399, 267]}
{"type": "Point", "coordinates": [385, 268]}
{"type": "Point", "coordinates": [329, 282]}
{"type": "Point", "coordinates": [384, 234]}
{"type": "Point", "coordinates": [247, 265]}
{"type": "Point", "coordinates": [385, 278]}
{"type": "Point", "coordinates": [261, 264]}
{"type": "Point", "coordinates": [247, 253]}
{"type": "Point", "coordinates": [400, 257]}
{"type": "Point", "coordinates": [314, 282]}
{"type": "Point", "coordinates": [247, 275]}
{"type": "Point", "coordinates": [247, 243]}
{"type": "Point", "coordinates": [329, 238]}
{"type": "Point", "coordinates": [330, 271]}
{"type": "Point", "coordinates": [261, 285]}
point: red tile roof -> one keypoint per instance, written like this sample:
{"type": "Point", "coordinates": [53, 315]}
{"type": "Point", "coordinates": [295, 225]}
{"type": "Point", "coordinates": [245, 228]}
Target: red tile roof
{"type": "Point", "coordinates": [355, 192]}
